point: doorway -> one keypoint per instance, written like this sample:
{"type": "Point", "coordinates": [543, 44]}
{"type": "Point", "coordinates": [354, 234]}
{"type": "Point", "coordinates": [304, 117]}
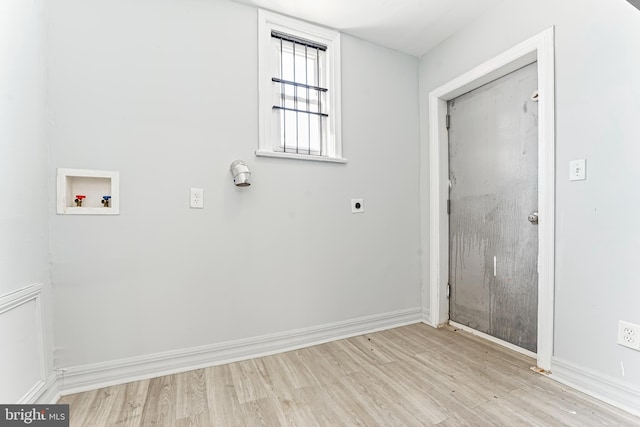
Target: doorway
{"type": "Point", "coordinates": [538, 49]}
{"type": "Point", "coordinates": [493, 203]}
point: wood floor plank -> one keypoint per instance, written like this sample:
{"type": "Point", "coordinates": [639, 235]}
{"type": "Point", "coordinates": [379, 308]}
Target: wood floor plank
{"type": "Point", "coordinates": [223, 403]}
{"type": "Point", "coordinates": [351, 407]}
{"type": "Point", "coordinates": [363, 346]}
{"type": "Point", "coordinates": [277, 377]}
{"type": "Point", "coordinates": [300, 374]}
{"type": "Point", "coordinates": [382, 401]}
{"type": "Point", "coordinates": [319, 408]}
{"type": "Point", "coordinates": [191, 394]}
{"type": "Point", "coordinates": [135, 395]}
{"type": "Point", "coordinates": [247, 380]}
{"type": "Point", "coordinates": [264, 412]}
{"type": "Point", "coordinates": [160, 406]}
{"type": "Point", "coordinates": [81, 408]}
{"type": "Point", "coordinates": [545, 407]}
{"type": "Point", "coordinates": [410, 391]}
{"type": "Point", "coordinates": [107, 401]}
{"type": "Point", "coordinates": [323, 368]}
{"type": "Point", "coordinates": [409, 376]}
{"type": "Point", "coordinates": [440, 389]}
{"type": "Point", "coordinates": [336, 358]}
{"type": "Point", "coordinates": [568, 404]}
{"type": "Point", "coordinates": [196, 420]}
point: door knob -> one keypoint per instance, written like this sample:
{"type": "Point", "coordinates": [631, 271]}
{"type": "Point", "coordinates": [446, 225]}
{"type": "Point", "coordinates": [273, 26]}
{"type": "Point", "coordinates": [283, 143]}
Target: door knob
{"type": "Point", "coordinates": [533, 218]}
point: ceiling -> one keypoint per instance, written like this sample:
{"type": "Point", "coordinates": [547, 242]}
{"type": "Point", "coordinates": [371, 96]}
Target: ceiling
{"type": "Point", "coordinates": [410, 26]}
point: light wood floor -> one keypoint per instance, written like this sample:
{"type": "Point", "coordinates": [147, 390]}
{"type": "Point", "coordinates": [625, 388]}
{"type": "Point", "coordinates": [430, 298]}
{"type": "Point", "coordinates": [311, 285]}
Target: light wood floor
{"type": "Point", "coordinates": [408, 376]}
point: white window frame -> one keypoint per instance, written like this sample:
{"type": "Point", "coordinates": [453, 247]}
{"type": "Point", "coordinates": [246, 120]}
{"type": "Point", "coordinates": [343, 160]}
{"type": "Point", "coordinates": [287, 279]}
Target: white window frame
{"type": "Point", "coordinates": [267, 22]}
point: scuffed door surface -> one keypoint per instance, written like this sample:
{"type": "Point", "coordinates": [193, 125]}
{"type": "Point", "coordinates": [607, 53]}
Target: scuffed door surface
{"type": "Point", "coordinates": [493, 170]}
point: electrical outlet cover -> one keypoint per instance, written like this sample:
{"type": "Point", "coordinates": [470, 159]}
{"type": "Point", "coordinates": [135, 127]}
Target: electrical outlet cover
{"type": "Point", "coordinates": [629, 335]}
{"type": "Point", "coordinates": [197, 198]}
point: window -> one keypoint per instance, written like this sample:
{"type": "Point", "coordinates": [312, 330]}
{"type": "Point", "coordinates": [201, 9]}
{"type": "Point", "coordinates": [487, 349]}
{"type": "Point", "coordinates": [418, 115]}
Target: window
{"type": "Point", "coordinates": [299, 90]}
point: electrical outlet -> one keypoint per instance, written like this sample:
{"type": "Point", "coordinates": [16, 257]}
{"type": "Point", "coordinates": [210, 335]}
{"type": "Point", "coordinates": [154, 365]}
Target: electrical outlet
{"type": "Point", "coordinates": [197, 198]}
{"type": "Point", "coordinates": [357, 206]}
{"type": "Point", "coordinates": [629, 335]}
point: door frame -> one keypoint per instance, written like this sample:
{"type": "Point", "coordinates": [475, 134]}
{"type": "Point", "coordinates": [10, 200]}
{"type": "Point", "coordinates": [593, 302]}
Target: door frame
{"type": "Point", "coordinates": [539, 48]}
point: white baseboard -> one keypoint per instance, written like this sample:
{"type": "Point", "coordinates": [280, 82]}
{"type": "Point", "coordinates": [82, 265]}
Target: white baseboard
{"type": "Point", "coordinates": [610, 390]}
{"type": "Point", "coordinates": [97, 375]}
{"type": "Point", "coordinates": [48, 393]}
{"type": "Point", "coordinates": [43, 392]}
{"type": "Point", "coordinates": [426, 317]}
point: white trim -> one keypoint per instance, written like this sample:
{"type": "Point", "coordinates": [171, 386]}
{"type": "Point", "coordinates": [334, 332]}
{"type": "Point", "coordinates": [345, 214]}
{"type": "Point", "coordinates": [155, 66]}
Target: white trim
{"type": "Point", "coordinates": [16, 299]}
{"type": "Point", "coordinates": [49, 393]}
{"type": "Point", "coordinates": [326, 36]}
{"type": "Point", "coordinates": [610, 390]}
{"type": "Point", "coordinates": [493, 339]}
{"type": "Point", "coordinates": [88, 377]}
{"type": "Point", "coordinates": [425, 316]}
{"type": "Point", "coordinates": [43, 392]}
{"type": "Point", "coordinates": [278, 154]}
{"type": "Point", "coordinates": [539, 48]}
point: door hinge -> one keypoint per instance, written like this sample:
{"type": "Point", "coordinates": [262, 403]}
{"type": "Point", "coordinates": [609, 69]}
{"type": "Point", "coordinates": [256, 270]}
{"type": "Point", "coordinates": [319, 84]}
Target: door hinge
{"type": "Point", "coordinates": [448, 121]}
{"type": "Point", "coordinates": [448, 290]}
{"type": "Point", "coordinates": [448, 206]}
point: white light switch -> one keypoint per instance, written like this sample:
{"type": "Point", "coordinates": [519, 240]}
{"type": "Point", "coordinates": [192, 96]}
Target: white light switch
{"type": "Point", "coordinates": [577, 170]}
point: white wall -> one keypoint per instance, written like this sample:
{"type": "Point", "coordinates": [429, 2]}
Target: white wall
{"type": "Point", "coordinates": [597, 111]}
{"type": "Point", "coordinates": [24, 243]}
{"type": "Point", "coordinates": [166, 93]}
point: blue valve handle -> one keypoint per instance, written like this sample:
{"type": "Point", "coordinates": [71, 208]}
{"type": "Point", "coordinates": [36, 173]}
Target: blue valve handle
{"type": "Point", "coordinates": [106, 197]}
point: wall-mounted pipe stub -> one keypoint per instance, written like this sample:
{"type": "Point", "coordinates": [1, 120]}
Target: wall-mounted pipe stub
{"type": "Point", "coordinates": [241, 174]}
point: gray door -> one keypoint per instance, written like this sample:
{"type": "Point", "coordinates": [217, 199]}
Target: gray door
{"type": "Point", "coordinates": [493, 172]}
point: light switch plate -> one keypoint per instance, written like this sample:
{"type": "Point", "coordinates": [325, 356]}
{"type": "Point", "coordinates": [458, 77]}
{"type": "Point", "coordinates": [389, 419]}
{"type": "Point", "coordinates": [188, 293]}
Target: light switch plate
{"type": "Point", "coordinates": [578, 170]}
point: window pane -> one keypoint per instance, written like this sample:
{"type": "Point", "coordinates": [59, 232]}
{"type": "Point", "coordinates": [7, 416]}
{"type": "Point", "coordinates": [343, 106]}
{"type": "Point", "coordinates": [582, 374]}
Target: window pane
{"type": "Point", "coordinates": [276, 94]}
{"type": "Point", "coordinates": [290, 131]}
{"type": "Point", "coordinates": [275, 57]}
{"type": "Point", "coordinates": [300, 73]}
{"type": "Point", "coordinates": [311, 67]}
{"type": "Point", "coordinates": [303, 133]}
{"type": "Point", "coordinates": [277, 124]}
{"type": "Point", "coordinates": [287, 60]}
{"type": "Point", "coordinates": [302, 98]}
{"type": "Point", "coordinates": [321, 66]}
{"type": "Point", "coordinates": [289, 95]}
{"type": "Point", "coordinates": [313, 101]}
{"type": "Point", "coordinates": [314, 132]}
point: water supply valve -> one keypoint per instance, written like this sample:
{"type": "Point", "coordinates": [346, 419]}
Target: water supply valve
{"type": "Point", "coordinates": [105, 201]}
{"type": "Point", "coordinates": [79, 199]}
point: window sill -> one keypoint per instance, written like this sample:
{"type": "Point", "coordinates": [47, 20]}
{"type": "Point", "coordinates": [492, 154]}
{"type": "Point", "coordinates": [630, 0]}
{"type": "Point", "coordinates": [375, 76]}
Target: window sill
{"type": "Point", "coordinates": [261, 153]}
